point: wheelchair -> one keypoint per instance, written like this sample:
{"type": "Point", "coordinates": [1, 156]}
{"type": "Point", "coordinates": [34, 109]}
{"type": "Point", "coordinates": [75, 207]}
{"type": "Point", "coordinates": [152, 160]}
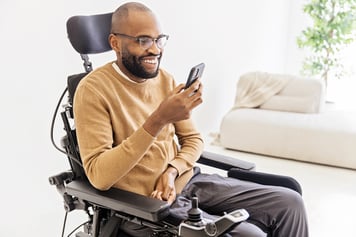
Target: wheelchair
{"type": "Point", "coordinates": [105, 209]}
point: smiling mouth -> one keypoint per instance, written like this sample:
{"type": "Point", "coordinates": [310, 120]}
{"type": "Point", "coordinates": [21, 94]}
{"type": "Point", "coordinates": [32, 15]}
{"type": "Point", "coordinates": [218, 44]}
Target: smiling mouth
{"type": "Point", "coordinates": [150, 60]}
{"type": "Point", "coordinates": [150, 63]}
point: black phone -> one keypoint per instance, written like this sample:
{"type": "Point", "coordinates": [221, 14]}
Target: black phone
{"type": "Point", "coordinates": [194, 74]}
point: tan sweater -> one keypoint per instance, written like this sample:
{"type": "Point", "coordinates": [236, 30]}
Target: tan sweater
{"type": "Point", "coordinates": [116, 151]}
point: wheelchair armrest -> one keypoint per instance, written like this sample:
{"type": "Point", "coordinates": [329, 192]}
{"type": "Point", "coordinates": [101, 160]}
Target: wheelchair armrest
{"type": "Point", "coordinates": [266, 179]}
{"type": "Point", "coordinates": [120, 200]}
{"type": "Point", "coordinates": [224, 162]}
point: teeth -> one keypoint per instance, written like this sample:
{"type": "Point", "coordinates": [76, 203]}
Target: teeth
{"type": "Point", "coordinates": [152, 61]}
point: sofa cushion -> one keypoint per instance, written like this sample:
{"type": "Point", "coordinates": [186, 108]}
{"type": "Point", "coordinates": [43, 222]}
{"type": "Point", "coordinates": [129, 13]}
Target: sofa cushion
{"type": "Point", "coordinates": [300, 95]}
{"type": "Point", "coordinates": [325, 138]}
{"type": "Point", "coordinates": [279, 92]}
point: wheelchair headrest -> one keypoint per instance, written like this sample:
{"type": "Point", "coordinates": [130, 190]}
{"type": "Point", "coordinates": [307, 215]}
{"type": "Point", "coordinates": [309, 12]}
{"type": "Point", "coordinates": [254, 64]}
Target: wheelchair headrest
{"type": "Point", "coordinates": [89, 34]}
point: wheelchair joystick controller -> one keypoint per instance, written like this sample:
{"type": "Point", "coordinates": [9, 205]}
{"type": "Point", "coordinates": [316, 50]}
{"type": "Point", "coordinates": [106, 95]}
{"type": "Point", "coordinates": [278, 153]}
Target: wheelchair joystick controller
{"type": "Point", "coordinates": [195, 214]}
{"type": "Point", "coordinates": [196, 226]}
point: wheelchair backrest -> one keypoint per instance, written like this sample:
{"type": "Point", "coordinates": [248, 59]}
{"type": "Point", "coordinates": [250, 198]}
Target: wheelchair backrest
{"type": "Point", "coordinates": [87, 35]}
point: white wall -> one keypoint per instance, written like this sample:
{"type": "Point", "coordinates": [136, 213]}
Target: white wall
{"type": "Point", "coordinates": [231, 37]}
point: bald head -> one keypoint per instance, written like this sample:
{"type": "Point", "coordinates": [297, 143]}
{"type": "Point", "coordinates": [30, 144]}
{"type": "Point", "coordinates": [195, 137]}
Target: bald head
{"type": "Point", "coordinates": [121, 15]}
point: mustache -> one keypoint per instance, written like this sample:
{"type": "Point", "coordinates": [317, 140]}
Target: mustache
{"type": "Point", "coordinates": [151, 55]}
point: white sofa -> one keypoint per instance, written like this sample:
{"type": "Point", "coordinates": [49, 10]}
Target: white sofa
{"type": "Point", "coordinates": [291, 123]}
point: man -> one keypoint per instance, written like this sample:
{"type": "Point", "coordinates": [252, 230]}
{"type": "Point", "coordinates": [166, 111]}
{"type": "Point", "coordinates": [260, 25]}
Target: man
{"type": "Point", "coordinates": [127, 114]}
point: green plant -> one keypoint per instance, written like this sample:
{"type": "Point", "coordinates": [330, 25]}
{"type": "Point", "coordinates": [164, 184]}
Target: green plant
{"type": "Point", "coordinates": [334, 27]}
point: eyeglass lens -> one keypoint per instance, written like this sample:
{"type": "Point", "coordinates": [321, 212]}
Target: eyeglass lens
{"type": "Point", "coordinates": [146, 42]}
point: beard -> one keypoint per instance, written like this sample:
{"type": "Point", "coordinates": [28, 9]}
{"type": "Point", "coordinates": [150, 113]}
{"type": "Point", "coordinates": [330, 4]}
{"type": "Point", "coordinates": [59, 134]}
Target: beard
{"type": "Point", "coordinates": [134, 66]}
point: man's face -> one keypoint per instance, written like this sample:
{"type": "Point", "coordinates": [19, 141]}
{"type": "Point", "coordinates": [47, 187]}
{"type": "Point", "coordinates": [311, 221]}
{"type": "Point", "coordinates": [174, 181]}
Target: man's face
{"type": "Point", "coordinates": [141, 66]}
{"type": "Point", "coordinates": [140, 45]}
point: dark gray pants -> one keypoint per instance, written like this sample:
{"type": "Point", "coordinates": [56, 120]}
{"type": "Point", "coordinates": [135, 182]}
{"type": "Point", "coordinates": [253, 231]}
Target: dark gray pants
{"type": "Point", "coordinates": [274, 211]}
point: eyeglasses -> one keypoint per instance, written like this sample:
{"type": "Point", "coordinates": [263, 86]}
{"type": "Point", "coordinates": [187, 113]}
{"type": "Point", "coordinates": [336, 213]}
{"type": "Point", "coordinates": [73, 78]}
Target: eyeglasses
{"type": "Point", "coordinates": [146, 42]}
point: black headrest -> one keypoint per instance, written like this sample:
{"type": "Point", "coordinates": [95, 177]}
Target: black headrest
{"type": "Point", "coordinates": [89, 34]}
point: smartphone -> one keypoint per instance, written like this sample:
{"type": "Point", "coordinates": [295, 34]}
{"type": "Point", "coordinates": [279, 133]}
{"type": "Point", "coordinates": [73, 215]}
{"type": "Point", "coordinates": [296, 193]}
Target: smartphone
{"type": "Point", "coordinates": [194, 74]}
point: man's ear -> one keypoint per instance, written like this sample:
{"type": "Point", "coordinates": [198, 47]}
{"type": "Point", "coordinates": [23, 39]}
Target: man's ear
{"type": "Point", "coordinates": [114, 43]}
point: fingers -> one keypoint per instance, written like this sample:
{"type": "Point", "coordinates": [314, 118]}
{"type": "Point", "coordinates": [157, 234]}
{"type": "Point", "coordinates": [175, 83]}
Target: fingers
{"type": "Point", "coordinates": [179, 88]}
{"type": "Point", "coordinates": [190, 90]}
{"type": "Point", "coordinates": [195, 95]}
{"type": "Point", "coordinates": [162, 195]}
{"type": "Point", "coordinates": [157, 194]}
{"type": "Point", "coordinates": [195, 87]}
{"type": "Point", "coordinates": [166, 194]}
{"type": "Point", "coordinates": [178, 105]}
{"type": "Point", "coordinates": [170, 197]}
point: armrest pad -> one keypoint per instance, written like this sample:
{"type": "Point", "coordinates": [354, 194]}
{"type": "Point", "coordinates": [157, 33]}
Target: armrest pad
{"type": "Point", "coordinates": [120, 200]}
{"type": "Point", "coordinates": [224, 162]}
{"type": "Point", "coordinates": [266, 179]}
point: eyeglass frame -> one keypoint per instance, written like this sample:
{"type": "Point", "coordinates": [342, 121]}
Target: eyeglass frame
{"type": "Point", "coordinates": [139, 39]}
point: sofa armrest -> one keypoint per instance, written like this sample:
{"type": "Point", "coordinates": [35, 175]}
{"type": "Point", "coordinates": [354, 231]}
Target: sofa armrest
{"type": "Point", "coordinates": [120, 200]}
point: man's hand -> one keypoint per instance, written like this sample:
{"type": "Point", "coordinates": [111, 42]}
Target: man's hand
{"type": "Point", "coordinates": [179, 105]}
{"type": "Point", "coordinates": [165, 189]}
{"type": "Point", "coordinates": [176, 107]}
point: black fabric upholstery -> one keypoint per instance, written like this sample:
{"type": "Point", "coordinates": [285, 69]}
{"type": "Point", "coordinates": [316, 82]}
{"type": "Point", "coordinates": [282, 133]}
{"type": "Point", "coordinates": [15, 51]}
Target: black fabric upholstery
{"type": "Point", "coordinates": [72, 83]}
